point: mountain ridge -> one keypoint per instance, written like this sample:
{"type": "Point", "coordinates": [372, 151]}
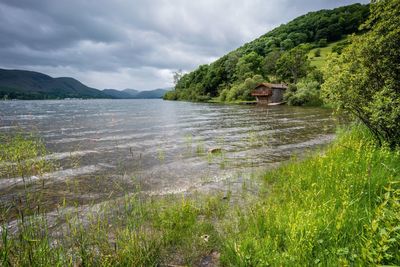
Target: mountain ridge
{"type": "Point", "coordinates": [32, 85]}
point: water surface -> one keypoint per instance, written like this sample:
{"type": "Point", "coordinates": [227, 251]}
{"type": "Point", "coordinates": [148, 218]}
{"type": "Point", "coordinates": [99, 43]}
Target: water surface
{"type": "Point", "coordinates": [105, 148]}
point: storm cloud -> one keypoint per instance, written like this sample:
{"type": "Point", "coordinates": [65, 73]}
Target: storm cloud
{"type": "Point", "coordinates": [134, 43]}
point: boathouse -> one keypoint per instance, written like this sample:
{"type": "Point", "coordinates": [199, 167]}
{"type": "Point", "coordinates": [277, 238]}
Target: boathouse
{"type": "Point", "coordinates": [269, 93]}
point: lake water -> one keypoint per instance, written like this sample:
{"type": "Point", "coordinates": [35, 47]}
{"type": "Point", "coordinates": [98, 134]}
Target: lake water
{"type": "Point", "coordinates": [106, 148]}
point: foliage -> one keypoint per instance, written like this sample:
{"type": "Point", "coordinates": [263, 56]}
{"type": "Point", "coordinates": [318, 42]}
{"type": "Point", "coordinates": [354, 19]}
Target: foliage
{"type": "Point", "coordinates": [365, 79]}
{"type": "Point", "coordinates": [241, 91]}
{"type": "Point", "coordinates": [21, 156]}
{"type": "Point", "coordinates": [382, 240]}
{"type": "Point", "coordinates": [260, 56]}
{"type": "Point", "coordinates": [248, 66]}
{"type": "Point", "coordinates": [336, 208]}
{"type": "Point", "coordinates": [322, 42]}
{"type": "Point", "coordinates": [304, 93]}
{"type": "Point", "coordinates": [320, 211]}
{"type": "Point", "coordinates": [338, 47]}
{"type": "Point", "coordinates": [293, 65]}
{"type": "Point", "coordinates": [177, 75]}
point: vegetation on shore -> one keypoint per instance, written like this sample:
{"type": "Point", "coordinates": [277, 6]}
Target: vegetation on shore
{"type": "Point", "coordinates": [280, 55]}
{"type": "Point", "coordinates": [336, 207]}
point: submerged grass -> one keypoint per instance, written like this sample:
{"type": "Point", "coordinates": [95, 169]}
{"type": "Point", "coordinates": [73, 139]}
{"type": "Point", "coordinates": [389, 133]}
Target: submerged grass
{"type": "Point", "coordinates": [339, 207]}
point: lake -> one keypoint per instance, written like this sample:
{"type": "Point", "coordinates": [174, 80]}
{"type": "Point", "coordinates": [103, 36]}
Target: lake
{"type": "Point", "coordinates": [104, 149]}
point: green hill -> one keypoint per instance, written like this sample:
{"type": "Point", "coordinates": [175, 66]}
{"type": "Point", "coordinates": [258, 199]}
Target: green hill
{"type": "Point", "coordinates": [265, 58]}
{"type": "Point", "coordinates": [319, 55]}
{"type": "Point", "coordinates": [21, 84]}
{"type": "Point", "coordinates": [30, 85]}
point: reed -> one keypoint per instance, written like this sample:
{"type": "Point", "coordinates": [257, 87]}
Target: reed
{"type": "Point", "coordinates": [339, 206]}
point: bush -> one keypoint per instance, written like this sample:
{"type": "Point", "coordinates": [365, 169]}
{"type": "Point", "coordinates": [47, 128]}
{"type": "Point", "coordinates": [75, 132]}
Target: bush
{"type": "Point", "coordinates": [242, 91]}
{"type": "Point", "coordinates": [322, 43]}
{"type": "Point", "coordinates": [338, 48]}
{"type": "Point", "coordinates": [304, 93]}
{"type": "Point", "coordinates": [365, 79]}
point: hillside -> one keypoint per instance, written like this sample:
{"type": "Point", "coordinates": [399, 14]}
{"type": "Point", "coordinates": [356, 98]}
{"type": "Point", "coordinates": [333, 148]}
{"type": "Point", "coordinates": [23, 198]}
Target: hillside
{"type": "Point", "coordinates": [156, 93]}
{"type": "Point", "coordinates": [134, 94]}
{"type": "Point", "coordinates": [21, 84]}
{"type": "Point", "coordinates": [268, 57]}
{"type": "Point", "coordinates": [30, 85]}
{"type": "Point", "coordinates": [131, 91]}
{"type": "Point", "coordinates": [117, 94]}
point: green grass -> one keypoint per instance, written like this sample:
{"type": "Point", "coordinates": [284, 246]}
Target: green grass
{"type": "Point", "coordinates": [319, 62]}
{"type": "Point", "coordinates": [337, 207]}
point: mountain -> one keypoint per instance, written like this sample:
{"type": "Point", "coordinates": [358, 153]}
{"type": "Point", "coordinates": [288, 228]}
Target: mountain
{"type": "Point", "coordinates": [135, 94]}
{"type": "Point", "coordinates": [156, 93]}
{"type": "Point", "coordinates": [22, 84]}
{"type": "Point", "coordinates": [117, 94]}
{"type": "Point", "coordinates": [259, 59]}
{"type": "Point", "coordinates": [132, 92]}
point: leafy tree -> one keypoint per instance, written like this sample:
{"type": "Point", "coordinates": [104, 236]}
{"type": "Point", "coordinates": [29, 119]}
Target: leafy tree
{"type": "Point", "coordinates": [269, 62]}
{"type": "Point", "coordinates": [242, 91]}
{"type": "Point", "coordinates": [249, 65]}
{"type": "Point", "coordinates": [255, 57]}
{"type": "Point", "coordinates": [365, 78]}
{"type": "Point", "coordinates": [287, 44]}
{"type": "Point", "coordinates": [293, 65]}
{"type": "Point", "coordinates": [177, 75]}
{"type": "Point", "coordinates": [305, 93]}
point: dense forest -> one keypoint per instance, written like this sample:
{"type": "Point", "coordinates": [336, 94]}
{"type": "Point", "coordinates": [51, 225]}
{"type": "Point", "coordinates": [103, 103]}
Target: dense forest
{"type": "Point", "coordinates": [280, 55]}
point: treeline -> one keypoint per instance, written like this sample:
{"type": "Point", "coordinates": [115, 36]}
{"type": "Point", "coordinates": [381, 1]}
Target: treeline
{"type": "Point", "coordinates": [278, 56]}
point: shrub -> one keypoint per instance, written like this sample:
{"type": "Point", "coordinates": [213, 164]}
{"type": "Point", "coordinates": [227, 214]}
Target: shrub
{"type": "Point", "coordinates": [365, 79]}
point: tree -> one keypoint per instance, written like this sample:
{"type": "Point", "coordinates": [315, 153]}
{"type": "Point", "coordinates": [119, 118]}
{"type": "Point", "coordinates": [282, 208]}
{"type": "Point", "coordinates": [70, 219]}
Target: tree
{"type": "Point", "coordinates": [177, 75]}
{"type": "Point", "coordinates": [269, 62]}
{"type": "Point", "coordinates": [365, 79]}
{"type": "Point", "coordinates": [248, 65]}
{"type": "Point", "coordinates": [293, 65]}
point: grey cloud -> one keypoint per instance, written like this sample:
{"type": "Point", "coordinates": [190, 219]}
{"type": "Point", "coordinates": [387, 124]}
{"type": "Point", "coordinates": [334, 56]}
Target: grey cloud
{"type": "Point", "coordinates": [134, 43]}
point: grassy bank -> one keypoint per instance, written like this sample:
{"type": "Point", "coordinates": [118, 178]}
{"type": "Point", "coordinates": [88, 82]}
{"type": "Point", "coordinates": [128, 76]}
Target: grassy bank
{"type": "Point", "coordinates": [339, 207]}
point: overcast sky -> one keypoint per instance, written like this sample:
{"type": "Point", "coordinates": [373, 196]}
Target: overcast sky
{"type": "Point", "coordinates": [135, 43]}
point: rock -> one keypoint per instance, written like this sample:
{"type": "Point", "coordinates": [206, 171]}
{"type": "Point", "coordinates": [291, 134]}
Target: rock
{"type": "Point", "coordinates": [215, 150]}
{"type": "Point", "coordinates": [210, 260]}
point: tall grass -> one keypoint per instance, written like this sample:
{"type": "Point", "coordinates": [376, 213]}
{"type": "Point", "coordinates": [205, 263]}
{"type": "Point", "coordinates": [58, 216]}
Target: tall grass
{"type": "Point", "coordinates": [340, 207]}
{"type": "Point", "coordinates": [337, 207]}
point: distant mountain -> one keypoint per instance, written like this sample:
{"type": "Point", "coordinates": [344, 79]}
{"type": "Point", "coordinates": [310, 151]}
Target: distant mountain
{"type": "Point", "coordinates": [131, 91]}
{"type": "Point", "coordinates": [156, 93]}
{"type": "Point", "coordinates": [22, 84]}
{"type": "Point", "coordinates": [135, 94]}
{"type": "Point", "coordinates": [117, 94]}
